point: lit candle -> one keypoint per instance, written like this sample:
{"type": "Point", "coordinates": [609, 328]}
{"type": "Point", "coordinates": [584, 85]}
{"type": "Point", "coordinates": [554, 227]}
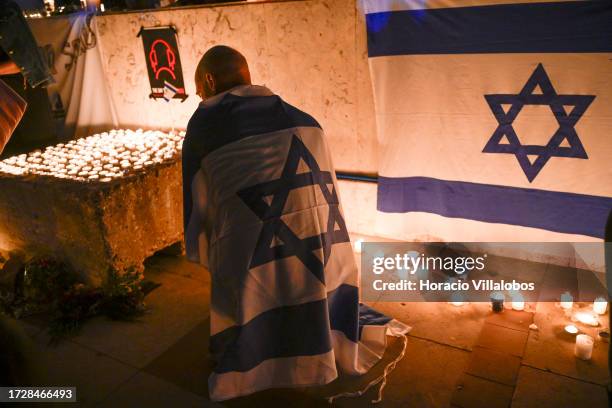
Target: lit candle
{"type": "Point", "coordinates": [497, 301]}
{"type": "Point", "coordinates": [571, 329]}
{"type": "Point", "coordinates": [357, 244]}
{"type": "Point", "coordinates": [600, 305]}
{"type": "Point", "coordinates": [457, 299]}
{"type": "Point", "coordinates": [587, 318]}
{"type": "Point", "coordinates": [518, 302]}
{"type": "Point", "coordinates": [584, 347]}
{"type": "Point", "coordinates": [567, 301]}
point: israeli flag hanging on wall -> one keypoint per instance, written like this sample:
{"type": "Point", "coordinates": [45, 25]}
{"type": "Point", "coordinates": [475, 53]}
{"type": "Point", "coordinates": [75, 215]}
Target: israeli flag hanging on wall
{"type": "Point", "coordinates": [495, 111]}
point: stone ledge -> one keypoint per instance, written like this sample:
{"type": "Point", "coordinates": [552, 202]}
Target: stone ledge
{"type": "Point", "coordinates": [93, 225]}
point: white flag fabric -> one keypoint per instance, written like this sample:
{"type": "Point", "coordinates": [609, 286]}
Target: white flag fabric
{"type": "Point", "coordinates": [494, 115]}
{"type": "Point", "coordinates": [80, 98]}
{"type": "Point", "coordinates": [263, 213]}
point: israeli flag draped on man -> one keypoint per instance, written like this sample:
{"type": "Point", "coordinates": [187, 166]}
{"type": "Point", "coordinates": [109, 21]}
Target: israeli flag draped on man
{"type": "Point", "coordinates": [262, 212]}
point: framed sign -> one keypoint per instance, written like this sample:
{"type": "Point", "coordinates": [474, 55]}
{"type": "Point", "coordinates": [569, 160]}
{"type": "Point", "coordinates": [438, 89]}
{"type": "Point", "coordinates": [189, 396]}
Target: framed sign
{"type": "Point", "coordinates": [163, 63]}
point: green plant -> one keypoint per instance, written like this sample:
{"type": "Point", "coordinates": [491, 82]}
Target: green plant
{"type": "Point", "coordinates": [46, 280]}
{"type": "Point", "coordinates": [123, 295]}
{"type": "Point", "coordinates": [48, 285]}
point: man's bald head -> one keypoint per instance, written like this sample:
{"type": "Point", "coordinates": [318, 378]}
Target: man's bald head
{"type": "Point", "coordinates": [220, 69]}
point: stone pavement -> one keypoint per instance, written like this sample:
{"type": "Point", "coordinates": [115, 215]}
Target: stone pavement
{"type": "Point", "coordinates": [457, 356]}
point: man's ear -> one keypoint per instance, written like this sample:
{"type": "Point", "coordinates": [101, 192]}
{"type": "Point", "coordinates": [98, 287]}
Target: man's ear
{"type": "Point", "coordinates": [199, 88]}
{"type": "Point", "coordinates": [210, 82]}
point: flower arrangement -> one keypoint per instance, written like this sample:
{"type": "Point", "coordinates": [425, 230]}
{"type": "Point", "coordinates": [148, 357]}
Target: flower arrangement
{"type": "Point", "coordinates": [47, 285]}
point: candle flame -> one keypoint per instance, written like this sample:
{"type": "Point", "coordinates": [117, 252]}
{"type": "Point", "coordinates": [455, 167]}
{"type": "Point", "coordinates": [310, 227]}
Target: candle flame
{"type": "Point", "coordinates": [101, 157]}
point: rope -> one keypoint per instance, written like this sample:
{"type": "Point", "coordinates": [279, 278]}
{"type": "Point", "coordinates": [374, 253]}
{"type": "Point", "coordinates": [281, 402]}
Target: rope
{"type": "Point", "coordinates": [382, 379]}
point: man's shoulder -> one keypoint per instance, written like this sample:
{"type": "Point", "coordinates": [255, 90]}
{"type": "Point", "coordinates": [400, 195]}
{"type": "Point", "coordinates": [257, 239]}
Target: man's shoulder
{"type": "Point", "coordinates": [299, 116]}
{"type": "Point", "coordinates": [269, 111]}
{"type": "Point", "coordinates": [235, 117]}
{"type": "Point", "coordinates": [207, 124]}
{"type": "Point", "coordinates": [205, 112]}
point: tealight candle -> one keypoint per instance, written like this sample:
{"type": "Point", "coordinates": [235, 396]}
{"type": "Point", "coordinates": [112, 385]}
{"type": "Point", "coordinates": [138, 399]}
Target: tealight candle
{"type": "Point", "coordinates": [497, 301]}
{"type": "Point", "coordinates": [518, 302]}
{"type": "Point", "coordinates": [567, 301]}
{"type": "Point", "coordinates": [571, 329]}
{"type": "Point", "coordinates": [457, 299]}
{"type": "Point", "coordinates": [357, 244]}
{"type": "Point", "coordinates": [587, 318]}
{"type": "Point", "coordinates": [600, 305]}
{"type": "Point", "coordinates": [584, 347]}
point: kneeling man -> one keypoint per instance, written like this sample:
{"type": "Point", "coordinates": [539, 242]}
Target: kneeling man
{"type": "Point", "coordinates": [262, 213]}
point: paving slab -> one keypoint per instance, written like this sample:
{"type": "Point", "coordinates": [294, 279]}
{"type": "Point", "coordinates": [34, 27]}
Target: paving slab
{"type": "Point", "coordinates": [93, 374]}
{"type": "Point", "coordinates": [175, 308]}
{"type": "Point", "coordinates": [511, 319]}
{"type": "Point", "coordinates": [494, 366]}
{"type": "Point", "coordinates": [457, 326]}
{"type": "Point", "coordinates": [425, 377]}
{"type": "Point", "coordinates": [145, 390]}
{"type": "Point", "coordinates": [475, 392]}
{"type": "Point", "coordinates": [186, 363]}
{"type": "Point", "coordinates": [502, 339]}
{"type": "Point", "coordinates": [540, 389]}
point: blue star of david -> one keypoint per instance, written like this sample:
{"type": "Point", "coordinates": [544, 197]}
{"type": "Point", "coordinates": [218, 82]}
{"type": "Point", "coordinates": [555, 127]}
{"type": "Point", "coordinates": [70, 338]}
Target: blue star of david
{"type": "Point", "coordinates": [557, 104]}
{"type": "Point", "coordinates": [270, 213]}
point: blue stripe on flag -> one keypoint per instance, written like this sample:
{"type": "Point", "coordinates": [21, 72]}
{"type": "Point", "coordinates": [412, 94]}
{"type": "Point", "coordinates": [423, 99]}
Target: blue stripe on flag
{"type": "Point", "coordinates": [579, 26]}
{"type": "Point", "coordinates": [170, 87]}
{"type": "Point", "coordinates": [550, 210]}
{"type": "Point", "coordinates": [288, 331]}
{"type": "Point", "coordinates": [371, 317]}
{"type": "Point", "coordinates": [343, 303]}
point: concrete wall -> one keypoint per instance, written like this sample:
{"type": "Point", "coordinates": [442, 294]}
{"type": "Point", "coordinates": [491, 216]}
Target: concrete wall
{"type": "Point", "coordinates": [311, 52]}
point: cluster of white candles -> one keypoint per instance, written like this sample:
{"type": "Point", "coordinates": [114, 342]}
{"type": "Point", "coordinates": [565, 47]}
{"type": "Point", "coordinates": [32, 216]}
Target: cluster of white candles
{"type": "Point", "coordinates": [102, 157]}
{"type": "Point", "coordinates": [583, 348]}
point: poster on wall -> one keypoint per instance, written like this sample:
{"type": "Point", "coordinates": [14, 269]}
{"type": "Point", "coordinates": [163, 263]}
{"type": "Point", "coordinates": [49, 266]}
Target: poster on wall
{"type": "Point", "coordinates": [163, 63]}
